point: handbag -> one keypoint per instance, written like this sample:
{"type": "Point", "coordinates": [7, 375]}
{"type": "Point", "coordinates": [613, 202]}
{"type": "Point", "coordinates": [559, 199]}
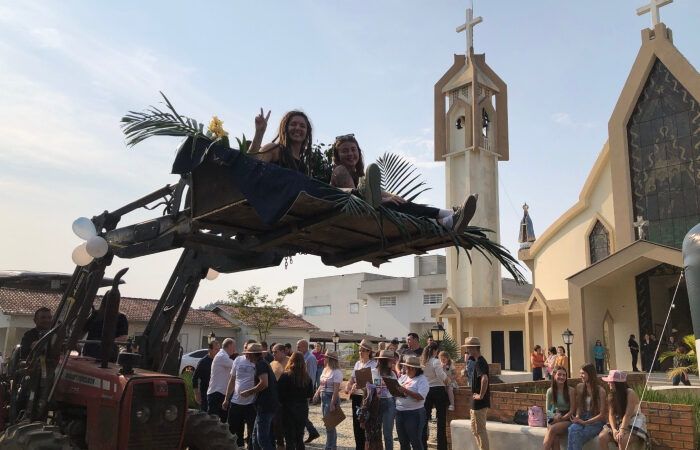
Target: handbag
{"type": "Point", "coordinates": [535, 417]}
{"type": "Point", "coordinates": [333, 418]}
{"type": "Point", "coordinates": [520, 417]}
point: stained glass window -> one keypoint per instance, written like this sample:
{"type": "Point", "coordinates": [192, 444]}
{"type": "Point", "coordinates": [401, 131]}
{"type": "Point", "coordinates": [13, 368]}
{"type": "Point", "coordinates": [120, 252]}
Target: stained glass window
{"type": "Point", "coordinates": [599, 242]}
{"type": "Point", "coordinates": [664, 149]}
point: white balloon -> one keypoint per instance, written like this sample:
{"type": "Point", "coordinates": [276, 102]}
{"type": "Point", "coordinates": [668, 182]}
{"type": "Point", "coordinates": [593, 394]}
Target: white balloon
{"type": "Point", "coordinates": [212, 274]}
{"type": "Point", "coordinates": [96, 246]}
{"type": "Point", "coordinates": [80, 255]}
{"type": "Point", "coordinates": [84, 228]}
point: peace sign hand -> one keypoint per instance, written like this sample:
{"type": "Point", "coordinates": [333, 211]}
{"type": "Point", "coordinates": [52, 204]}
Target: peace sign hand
{"type": "Point", "coordinates": [261, 121]}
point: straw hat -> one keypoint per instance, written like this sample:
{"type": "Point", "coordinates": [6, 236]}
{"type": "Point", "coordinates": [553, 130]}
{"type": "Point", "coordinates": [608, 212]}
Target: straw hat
{"type": "Point", "coordinates": [386, 354]}
{"type": "Point", "coordinates": [471, 342]}
{"type": "Point", "coordinates": [253, 348]}
{"type": "Point", "coordinates": [616, 376]}
{"type": "Point", "coordinates": [364, 343]}
{"type": "Point", "coordinates": [331, 354]}
{"type": "Point", "coordinates": [412, 361]}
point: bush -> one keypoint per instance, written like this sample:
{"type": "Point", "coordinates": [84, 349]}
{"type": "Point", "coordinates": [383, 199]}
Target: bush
{"type": "Point", "coordinates": [187, 377]}
{"type": "Point", "coordinates": [675, 398]}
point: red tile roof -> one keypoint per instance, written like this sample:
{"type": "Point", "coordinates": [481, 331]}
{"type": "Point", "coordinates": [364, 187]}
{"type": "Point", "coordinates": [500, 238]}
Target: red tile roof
{"type": "Point", "coordinates": [24, 302]}
{"type": "Point", "coordinates": [290, 320]}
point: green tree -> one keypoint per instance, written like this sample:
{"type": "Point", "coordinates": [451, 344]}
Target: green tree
{"type": "Point", "coordinates": [447, 344]}
{"type": "Point", "coordinates": [691, 357]}
{"type": "Point", "coordinates": [260, 311]}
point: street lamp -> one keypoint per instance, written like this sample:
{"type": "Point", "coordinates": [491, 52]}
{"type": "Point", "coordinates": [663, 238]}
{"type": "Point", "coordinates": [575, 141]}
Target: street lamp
{"type": "Point", "coordinates": [438, 333]}
{"type": "Point", "coordinates": [568, 338]}
{"type": "Point", "coordinates": [336, 339]}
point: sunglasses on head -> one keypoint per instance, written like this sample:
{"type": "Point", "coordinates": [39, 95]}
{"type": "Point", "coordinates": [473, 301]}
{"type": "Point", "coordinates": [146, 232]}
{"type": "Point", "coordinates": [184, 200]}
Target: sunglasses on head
{"type": "Point", "coordinates": [345, 137]}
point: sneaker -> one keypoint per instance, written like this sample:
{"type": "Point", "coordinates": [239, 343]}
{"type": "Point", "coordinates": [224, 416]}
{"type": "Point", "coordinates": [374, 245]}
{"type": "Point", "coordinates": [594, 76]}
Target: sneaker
{"type": "Point", "coordinates": [461, 218]}
{"type": "Point", "coordinates": [370, 186]}
{"type": "Point", "coordinates": [312, 437]}
{"type": "Point", "coordinates": [451, 408]}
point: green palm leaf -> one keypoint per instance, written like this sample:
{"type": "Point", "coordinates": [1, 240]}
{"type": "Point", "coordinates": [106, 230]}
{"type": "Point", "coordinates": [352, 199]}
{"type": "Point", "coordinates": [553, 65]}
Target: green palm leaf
{"type": "Point", "coordinates": [139, 126]}
{"type": "Point", "coordinates": [399, 177]}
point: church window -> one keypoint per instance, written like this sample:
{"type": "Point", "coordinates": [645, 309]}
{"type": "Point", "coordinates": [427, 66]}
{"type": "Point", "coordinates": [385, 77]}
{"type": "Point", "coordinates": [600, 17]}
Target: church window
{"type": "Point", "coordinates": [387, 302]}
{"type": "Point", "coordinates": [663, 136]}
{"type": "Point", "coordinates": [599, 242]}
{"type": "Point", "coordinates": [432, 299]}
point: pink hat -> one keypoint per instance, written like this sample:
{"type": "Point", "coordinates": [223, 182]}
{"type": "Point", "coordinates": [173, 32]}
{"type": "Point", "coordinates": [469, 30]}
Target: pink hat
{"type": "Point", "coordinates": [616, 376]}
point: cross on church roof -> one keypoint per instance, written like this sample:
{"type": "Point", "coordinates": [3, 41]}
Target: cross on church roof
{"type": "Point", "coordinates": [468, 26]}
{"type": "Point", "coordinates": [653, 7]}
{"type": "Point", "coordinates": [639, 225]}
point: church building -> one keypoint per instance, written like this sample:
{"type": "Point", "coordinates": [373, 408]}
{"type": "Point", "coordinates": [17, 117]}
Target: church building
{"type": "Point", "coordinates": [611, 264]}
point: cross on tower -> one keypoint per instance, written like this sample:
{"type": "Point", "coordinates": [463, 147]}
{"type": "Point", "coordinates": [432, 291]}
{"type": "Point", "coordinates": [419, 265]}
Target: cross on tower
{"type": "Point", "coordinates": [639, 225]}
{"type": "Point", "coordinates": [468, 26]}
{"type": "Point", "coordinates": [653, 7]}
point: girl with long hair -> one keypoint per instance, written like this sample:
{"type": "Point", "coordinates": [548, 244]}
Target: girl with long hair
{"type": "Point", "coordinates": [626, 427]}
{"type": "Point", "coordinates": [590, 415]}
{"type": "Point", "coordinates": [561, 360]}
{"type": "Point", "coordinates": [295, 389]}
{"type": "Point", "coordinates": [437, 395]}
{"type": "Point", "coordinates": [291, 148]}
{"type": "Point", "coordinates": [560, 405]}
{"type": "Point", "coordinates": [366, 361]}
{"type": "Point", "coordinates": [329, 394]}
{"type": "Point", "coordinates": [549, 363]}
{"type": "Point", "coordinates": [387, 402]}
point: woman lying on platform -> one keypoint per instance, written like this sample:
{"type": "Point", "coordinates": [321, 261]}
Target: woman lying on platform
{"type": "Point", "coordinates": [349, 174]}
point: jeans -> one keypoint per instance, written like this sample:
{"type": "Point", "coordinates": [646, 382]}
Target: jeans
{"type": "Point", "coordinates": [678, 379]}
{"type": "Point", "coordinates": [409, 426]}
{"type": "Point", "coordinates": [262, 438]}
{"type": "Point", "coordinates": [387, 410]}
{"type": "Point", "coordinates": [599, 365]}
{"type": "Point", "coordinates": [536, 373]}
{"type": "Point", "coordinates": [331, 433]}
{"type": "Point", "coordinates": [214, 401]}
{"type": "Point", "coordinates": [437, 398]}
{"type": "Point", "coordinates": [580, 434]}
{"type": "Point", "coordinates": [238, 417]}
{"type": "Point", "coordinates": [358, 431]}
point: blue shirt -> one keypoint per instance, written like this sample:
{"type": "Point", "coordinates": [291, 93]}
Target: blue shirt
{"type": "Point", "coordinates": [311, 364]}
{"type": "Point", "coordinates": [598, 352]}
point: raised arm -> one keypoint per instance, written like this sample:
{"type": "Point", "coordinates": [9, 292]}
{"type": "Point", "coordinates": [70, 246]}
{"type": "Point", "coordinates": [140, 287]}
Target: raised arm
{"type": "Point", "coordinates": [260, 127]}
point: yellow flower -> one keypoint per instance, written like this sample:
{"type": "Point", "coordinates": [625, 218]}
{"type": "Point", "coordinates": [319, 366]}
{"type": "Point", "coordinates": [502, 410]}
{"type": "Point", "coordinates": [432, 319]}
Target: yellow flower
{"type": "Point", "coordinates": [216, 127]}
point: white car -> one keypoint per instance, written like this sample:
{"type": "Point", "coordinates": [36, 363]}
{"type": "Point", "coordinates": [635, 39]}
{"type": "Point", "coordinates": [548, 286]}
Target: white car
{"type": "Point", "coordinates": [189, 360]}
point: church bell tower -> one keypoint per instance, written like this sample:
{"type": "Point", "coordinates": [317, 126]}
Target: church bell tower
{"type": "Point", "coordinates": [471, 136]}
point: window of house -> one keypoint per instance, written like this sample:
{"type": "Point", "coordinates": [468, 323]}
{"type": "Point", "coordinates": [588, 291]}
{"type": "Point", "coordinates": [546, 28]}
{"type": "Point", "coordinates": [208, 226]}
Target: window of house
{"type": "Point", "coordinates": [321, 310]}
{"type": "Point", "coordinates": [432, 299]}
{"type": "Point", "coordinates": [599, 242]}
{"type": "Point", "coordinates": [505, 301]}
{"type": "Point", "coordinates": [354, 308]}
{"type": "Point", "coordinates": [386, 302]}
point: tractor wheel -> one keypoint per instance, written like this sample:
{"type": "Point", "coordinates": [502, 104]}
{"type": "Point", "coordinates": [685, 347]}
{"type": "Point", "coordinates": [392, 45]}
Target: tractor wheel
{"type": "Point", "coordinates": [206, 432]}
{"type": "Point", "coordinates": [35, 436]}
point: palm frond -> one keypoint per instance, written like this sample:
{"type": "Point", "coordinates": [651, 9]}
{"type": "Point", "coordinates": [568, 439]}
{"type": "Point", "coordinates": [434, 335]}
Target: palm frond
{"type": "Point", "coordinates": [243, 144]}
{"type": "Point", "coordinates": [678, 371]}
{"type": "Point", "coordinates": [399, 177]}
{"type": "Point", "coordinates": [475, 237]}
{"type": "Point", "coordinates": [138, 126]}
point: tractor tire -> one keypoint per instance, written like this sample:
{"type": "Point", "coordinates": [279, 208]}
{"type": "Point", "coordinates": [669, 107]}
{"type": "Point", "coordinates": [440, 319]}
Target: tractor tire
{"type": "Point", "coordinates": [206, 432]}
{"type": "Point", "coordinates": [34, 436]}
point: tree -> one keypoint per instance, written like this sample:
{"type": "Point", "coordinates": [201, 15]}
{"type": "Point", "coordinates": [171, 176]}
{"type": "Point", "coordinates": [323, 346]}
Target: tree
{"type": "Point", "coordinates": [259, 310]}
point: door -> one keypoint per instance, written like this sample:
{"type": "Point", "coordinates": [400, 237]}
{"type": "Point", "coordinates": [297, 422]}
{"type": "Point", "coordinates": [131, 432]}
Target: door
{"type": "Point", "coordinates": [498, 354]}
{"type": "Point", "coordinates": [515, 344]}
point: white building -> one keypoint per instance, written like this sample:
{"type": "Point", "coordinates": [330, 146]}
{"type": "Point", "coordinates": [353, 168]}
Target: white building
{"type": "Point", "coordinates": [387, 306]}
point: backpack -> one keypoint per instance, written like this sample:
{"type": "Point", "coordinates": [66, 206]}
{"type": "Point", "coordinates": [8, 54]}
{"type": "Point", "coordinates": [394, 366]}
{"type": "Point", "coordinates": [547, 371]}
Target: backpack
{"type": "Point", "coordinates": [535, 417]}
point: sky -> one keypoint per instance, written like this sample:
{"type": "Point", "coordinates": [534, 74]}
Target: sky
{"type": "Point", "coordinates": [70, 70]}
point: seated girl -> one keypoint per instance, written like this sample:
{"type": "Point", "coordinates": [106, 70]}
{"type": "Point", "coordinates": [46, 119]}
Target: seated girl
{"type": "Point", "coordinates": [292, 145]}
{"type": "Point", "coordinates": [349, 174]}
{"type": "Point", "coordinates": [626, 427]}
{"type": "Point", "coordinates": [590, 413]}
{"type": "Point", "coordinates": [560, 405]}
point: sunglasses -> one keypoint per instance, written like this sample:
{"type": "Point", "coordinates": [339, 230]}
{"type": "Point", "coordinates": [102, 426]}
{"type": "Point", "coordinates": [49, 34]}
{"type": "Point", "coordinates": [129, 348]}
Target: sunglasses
{"type": "Point", "coordinates": [345, 137]}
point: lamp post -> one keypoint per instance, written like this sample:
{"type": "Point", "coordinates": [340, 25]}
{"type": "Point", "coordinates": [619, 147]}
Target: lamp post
{"type": "Point", "coordinates": [336, 339]}
{"type": "Point", "coordinates": [568, 338]}
{"type": "Point", "coordinates": [438, 333]}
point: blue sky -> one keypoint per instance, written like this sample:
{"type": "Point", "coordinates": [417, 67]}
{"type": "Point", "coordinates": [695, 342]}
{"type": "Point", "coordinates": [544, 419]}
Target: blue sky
{"type": "Point", "coordinates": [70, 70]}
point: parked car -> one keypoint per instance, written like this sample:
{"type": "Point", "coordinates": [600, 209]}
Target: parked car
{"type": "Point", "coordinates": [189, 360]}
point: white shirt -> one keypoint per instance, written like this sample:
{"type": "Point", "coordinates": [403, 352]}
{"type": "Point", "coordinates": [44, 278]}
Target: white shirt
{"type": "Point", "coordinates": [434, 372]}
{"type": "Point", "coordinates": [220, 372]}
{"type": "Point", "coordinates": [418, 385]}
{"type": "Point", "coordinates": [244, 371]}
{"type": "Point", "coordinates": [329, 378]}
{"type": "Point", "coordinates": [371, 363]}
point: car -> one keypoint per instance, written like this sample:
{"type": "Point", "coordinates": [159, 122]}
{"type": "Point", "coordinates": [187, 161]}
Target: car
{"type": "Point", "coordinates": [189, 360]}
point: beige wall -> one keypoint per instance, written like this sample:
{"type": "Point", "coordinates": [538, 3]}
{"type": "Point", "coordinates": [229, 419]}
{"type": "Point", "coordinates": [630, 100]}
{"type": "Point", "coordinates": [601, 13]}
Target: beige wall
{"type": "Point", "coordinates": [483, 326]}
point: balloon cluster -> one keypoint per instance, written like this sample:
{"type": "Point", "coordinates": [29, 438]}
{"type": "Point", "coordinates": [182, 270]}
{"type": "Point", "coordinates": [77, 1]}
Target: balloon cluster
{"type": "Point", "coordinates": [94, 246]}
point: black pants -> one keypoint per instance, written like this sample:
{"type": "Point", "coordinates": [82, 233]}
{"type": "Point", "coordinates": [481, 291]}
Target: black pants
{"type": "Point", "coordinates": [634, 361]}
{"type": "Point", "coordinates": [414, 209]}
{"type": "Point", "coordinates": [356, 428]}
{"type": "Point", "coordinates": [294, 418]}
{"type": "Point", "coordinates": [437, 398]}
{"type": "Point", "coordinates": [238, 417]}
{"type": "Point", "coordinates": [214, 401]}
{"type": "Point", "coordinates": [203, 404]}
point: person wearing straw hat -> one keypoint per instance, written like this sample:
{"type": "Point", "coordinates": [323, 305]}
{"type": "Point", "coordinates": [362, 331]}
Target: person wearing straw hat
{"type": "Point", "coordinates": [387, 402]}
{"type": "Point", "coordinates": [329, 393]}
{"type": "Point", "coordinates": [365, 362]}
{"type": "Point", "coordinates": [626, 426]}
{"type": "Point", "coordinates": [481, 397]}
{"type": "Point", "coordinates": [410, 408]}
{"type": "Point", "coordinates": [266, 397]}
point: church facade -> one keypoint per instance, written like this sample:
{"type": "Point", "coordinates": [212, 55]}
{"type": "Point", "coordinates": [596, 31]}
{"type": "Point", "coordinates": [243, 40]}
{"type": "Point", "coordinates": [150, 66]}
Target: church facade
{"type": "Point", "coordinates": [610, 265]}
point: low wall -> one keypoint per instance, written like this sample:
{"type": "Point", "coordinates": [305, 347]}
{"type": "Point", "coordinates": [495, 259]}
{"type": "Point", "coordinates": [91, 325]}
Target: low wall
{"type": "Point", "coordinates": [671, 427]}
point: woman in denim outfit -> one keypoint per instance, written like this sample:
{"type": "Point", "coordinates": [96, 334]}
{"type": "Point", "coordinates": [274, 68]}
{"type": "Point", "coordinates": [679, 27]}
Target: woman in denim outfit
{"type": "Point", "coordinates": [591, 409]}
{"type": "Point", "coordinates": [329, 394]}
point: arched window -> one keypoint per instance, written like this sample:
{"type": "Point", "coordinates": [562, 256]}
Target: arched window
{"type": "Point", "coordinates": [598, 242]}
